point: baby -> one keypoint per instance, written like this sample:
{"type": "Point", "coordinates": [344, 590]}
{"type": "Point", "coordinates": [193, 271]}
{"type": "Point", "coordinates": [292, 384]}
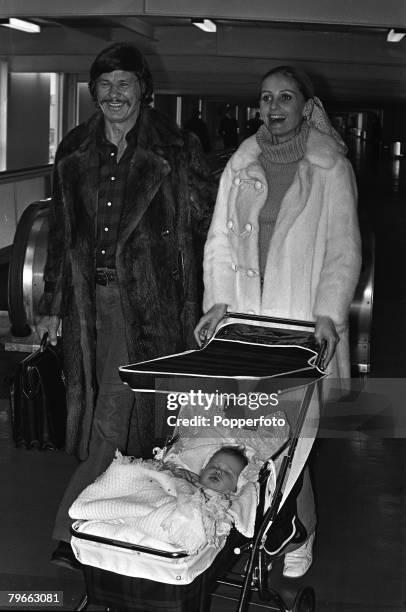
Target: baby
{"type": "Point", "coordinates": [223, 469]}
{"type": "Point", "coordinates": [221, 472]}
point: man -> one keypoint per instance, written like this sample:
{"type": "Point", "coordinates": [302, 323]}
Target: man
{"type": "Point", "coordinates": [228, 130]}
{"type": "Point", "coordinates": [253, 125]}
{"type": "Point", "coordinates": [199, 127]}
{"type": "Point", "coordinates": [130, 209]}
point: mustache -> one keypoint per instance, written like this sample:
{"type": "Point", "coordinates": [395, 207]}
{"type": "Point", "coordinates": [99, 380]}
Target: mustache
{"type": "Point", "coordinates": [121, 100]}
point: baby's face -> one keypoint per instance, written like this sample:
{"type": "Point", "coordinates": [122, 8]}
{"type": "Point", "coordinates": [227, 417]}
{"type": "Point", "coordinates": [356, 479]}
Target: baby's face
{"type": "Point", "coordinates": [221, 473]}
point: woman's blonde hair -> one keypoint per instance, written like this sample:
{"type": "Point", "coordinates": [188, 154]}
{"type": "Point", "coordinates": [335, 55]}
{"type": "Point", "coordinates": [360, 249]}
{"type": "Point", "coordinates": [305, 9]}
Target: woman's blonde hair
{"type": "Point", "coordinates": [300, 77]}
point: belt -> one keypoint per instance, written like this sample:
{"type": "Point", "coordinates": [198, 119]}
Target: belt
{"type": "Point", "coordinates": [105, 276]}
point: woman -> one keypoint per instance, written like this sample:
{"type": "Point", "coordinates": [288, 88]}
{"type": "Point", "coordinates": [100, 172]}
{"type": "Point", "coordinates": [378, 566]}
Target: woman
{"type": "Point", "coordinates": [284, 239]}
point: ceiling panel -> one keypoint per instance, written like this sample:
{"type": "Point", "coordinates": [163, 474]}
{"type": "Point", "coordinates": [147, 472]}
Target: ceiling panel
{"type": "Point", "coordinates": [342, 44]}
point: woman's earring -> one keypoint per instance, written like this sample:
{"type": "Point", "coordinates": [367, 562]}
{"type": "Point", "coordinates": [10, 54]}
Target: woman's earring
{"type": "Point", "coordinates": [308, 109]}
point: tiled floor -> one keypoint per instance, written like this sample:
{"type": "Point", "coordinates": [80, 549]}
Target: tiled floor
{"type": "Point", "coordinates": [358, 462]}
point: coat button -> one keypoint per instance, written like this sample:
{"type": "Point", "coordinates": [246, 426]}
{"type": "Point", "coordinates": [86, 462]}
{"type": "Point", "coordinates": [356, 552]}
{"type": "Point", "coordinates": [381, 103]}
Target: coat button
{"type": "Point", "coordinates": [258, 185]}
{"type": "Point", "coordinates": [237, 181]}
{"type": "Point", "coordinates": [234, 267]}
{"type": "Point", "coordinates": [230, 224]}
{"type": "Point", "coordinates": [251, 273]}
{"type": "Point", "coordinates": [165, 232]}
{"type": "Point", "coordinates": [248, 227]}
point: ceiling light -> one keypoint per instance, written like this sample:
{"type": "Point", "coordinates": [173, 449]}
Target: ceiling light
{"type": "Point", "coordinates": [205, 24]}
{"type": "Point", "coordinates": [394, 36]}
{"type": "Point", "coordinates": [21, 24]}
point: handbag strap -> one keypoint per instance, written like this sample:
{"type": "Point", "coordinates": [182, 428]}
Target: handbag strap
{"type": "Point", "coordinates": [30, 381]}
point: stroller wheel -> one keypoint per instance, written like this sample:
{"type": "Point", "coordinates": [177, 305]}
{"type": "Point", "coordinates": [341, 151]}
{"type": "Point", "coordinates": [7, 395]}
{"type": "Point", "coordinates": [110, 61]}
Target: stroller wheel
{"type": "Point", "coordinates": [305, 600]}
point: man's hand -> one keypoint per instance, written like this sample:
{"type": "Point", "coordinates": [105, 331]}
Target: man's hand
{"type": "Point", "coordinates": [208, 323]}
{"type": "Point", "coordinates": [326, 331]}
{"type": "Point", "coordinates": [48, 324]}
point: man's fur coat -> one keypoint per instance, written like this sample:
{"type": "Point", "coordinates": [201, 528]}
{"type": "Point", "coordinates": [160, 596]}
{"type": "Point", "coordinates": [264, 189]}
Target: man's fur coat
{"type": "Point", "coordinates": [164, 221]}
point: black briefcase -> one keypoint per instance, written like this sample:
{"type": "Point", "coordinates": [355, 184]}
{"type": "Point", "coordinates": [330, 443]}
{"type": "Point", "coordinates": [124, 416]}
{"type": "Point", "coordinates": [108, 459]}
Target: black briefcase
{"type": "Point", "coordinates": [38, 400]}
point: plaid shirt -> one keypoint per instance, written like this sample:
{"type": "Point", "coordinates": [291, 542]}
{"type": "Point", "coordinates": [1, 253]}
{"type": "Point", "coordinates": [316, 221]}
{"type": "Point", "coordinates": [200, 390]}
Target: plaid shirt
{"type": "Point", "coordinates": [112, 191]}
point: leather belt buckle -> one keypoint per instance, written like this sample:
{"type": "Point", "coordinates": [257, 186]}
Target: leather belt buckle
{"type": "Point", "coordinates": [101, 277]}
{"type": "Point", "coordinates": [104, 277]}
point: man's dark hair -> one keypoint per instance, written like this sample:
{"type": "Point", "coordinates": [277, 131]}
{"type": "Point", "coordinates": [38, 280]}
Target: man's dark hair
{"type": "Point", "coordinates": [122, 56]}
{"type": "Point", "coordinates": [234, 451]}
{"type": "Point", "coordinates": [300, 77]}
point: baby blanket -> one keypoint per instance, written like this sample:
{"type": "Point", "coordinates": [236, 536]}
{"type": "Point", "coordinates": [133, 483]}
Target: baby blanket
{"type": "Point", "coordinates": [143, 503]}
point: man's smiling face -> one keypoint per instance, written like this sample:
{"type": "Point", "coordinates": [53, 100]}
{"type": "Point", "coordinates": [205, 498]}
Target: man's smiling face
{"type": "Point", "coordinates": [119, 96]}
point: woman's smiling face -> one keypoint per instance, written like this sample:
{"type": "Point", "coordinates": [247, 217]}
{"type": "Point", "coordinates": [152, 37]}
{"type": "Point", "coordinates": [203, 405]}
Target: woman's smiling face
{"type": "Point", "coordinates": [281, 104]}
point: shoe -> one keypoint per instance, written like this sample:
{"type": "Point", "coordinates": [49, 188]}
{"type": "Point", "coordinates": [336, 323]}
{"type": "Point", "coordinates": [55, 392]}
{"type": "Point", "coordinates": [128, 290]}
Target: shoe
{"type": "Point", "coordinates": [298, 561]}
{"type": "Point", "coordinates": [64, 557]}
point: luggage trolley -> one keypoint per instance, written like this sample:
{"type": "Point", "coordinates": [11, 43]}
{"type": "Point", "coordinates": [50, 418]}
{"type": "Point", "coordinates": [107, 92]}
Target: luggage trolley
{"type": "Point", "coordinates": [249, 353]}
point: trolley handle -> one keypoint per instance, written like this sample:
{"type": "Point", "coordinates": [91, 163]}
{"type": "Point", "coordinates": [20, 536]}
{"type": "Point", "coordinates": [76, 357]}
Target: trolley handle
{"type": "Point", "coordinates": [277, 320]}
{"type": "Point", "coordinates": [310, 325]}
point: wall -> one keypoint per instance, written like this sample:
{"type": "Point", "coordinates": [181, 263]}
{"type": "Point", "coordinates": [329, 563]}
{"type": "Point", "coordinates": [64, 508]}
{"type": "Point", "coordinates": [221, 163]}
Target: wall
{"type": "Point", "coordinates": [17, 191]}
{"type": "Point", "coordinates": [86, 105]}
{"type": "Point", "coordinates": [190, 106]}
{"type": "Point", "coordinates": [394, 122]}
{"type": "Point", "coordinates": [166, 104]}
{"type": "Point", "coordinates": [28, 120]}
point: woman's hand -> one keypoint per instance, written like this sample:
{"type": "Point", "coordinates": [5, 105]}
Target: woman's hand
{"type": "Point", "coordinates": [208, 323]}
{"type": "Point", "coordinates": [48, 324]}
{"type": "Point", "coordinates": [326, 331]}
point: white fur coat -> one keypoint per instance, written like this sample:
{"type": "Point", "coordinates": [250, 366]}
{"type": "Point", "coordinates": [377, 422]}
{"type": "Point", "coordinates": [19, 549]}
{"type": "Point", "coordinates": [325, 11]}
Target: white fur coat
{"type": "Point", "coordinates": [314, 257]}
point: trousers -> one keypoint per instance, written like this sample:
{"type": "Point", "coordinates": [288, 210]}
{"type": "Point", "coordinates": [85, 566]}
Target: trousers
{"type": "Point", "coordinates": [112, 421]}
{"type": "Point", "coordinates": [305, 502]}
{"type": "Point", "coordinates": [306, 508]}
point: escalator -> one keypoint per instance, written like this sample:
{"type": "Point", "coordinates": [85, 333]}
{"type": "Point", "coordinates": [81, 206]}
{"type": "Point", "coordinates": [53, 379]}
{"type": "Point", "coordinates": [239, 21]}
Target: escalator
{"type": "Point", "coordinates": [25, 275]}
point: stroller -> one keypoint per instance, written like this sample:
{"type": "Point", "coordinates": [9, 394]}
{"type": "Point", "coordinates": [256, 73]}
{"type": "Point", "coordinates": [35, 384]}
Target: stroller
{"type": "Point", "coordinates": [251, 355]}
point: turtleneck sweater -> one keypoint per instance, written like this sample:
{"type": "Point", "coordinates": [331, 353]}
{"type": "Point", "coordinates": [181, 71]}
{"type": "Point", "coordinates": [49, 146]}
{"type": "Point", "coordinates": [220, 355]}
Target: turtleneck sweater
{"type": "Point", "coordinates": [279, 161]}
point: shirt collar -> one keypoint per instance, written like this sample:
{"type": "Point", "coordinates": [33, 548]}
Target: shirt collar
{"type": "Point", "coordinates": [105, 145]}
